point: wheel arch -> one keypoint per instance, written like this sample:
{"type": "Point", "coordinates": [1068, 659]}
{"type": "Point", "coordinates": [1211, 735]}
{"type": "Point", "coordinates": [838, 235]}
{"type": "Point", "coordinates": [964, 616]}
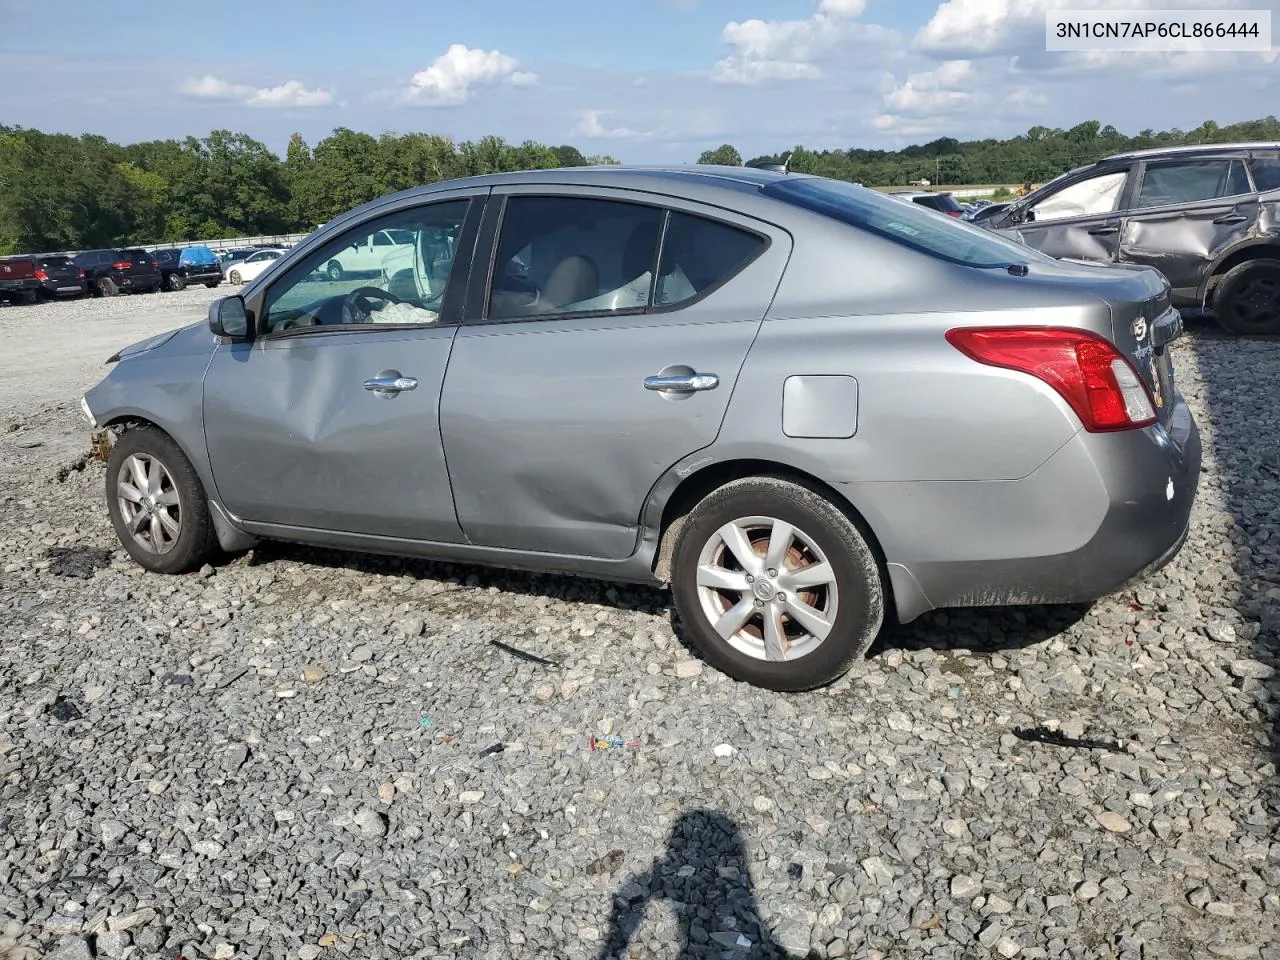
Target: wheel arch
{"type": "Point", "coordinates": [695, 487]}
{"type": "Point", "coordinates": [1268, 249]}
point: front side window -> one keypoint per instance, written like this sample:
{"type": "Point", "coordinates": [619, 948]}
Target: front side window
{"type": "Point", "coordinates": [1189, 181]}
{"type": "Point", "coordinates": [699, 254]}
{"type": "Point", "coordinates": [350, 281]}
{"type": "Point", "coordinates": [907, 224]}
{"type": "Point", "coordinates": [1094, 197]}
{"type": "Point", "coordinates": [560, 255]}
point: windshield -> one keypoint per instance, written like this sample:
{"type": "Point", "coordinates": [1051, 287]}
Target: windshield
{"type": "Point", "coordinates": [905, 223]}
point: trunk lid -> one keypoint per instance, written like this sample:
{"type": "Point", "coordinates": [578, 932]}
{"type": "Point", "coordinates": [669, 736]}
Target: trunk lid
{"type": "Point", "coordinates": [61, 270]}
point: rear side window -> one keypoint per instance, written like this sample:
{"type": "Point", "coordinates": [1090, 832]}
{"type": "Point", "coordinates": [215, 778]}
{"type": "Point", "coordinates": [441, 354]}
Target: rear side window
{"type": "Point", "coordinates": [699, 254]}
{"type": "Point", "coordinates": [945, 202]}
{"type": "Point", "coordinates": [903, 223]}
{"type": "Point", "coordinates": [1188, 181]}
{"type": "Point", "coordinates": [561, 255]}
{"type": "Point", "coordinates": [1266, 173]}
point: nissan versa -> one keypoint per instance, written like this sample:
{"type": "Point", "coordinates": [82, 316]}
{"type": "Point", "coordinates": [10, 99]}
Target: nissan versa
{"type": "Point", "coordinates": [805, 406]}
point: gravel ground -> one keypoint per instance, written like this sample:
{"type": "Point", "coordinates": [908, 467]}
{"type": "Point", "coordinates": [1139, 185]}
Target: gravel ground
{"type": "Point", "coordinates": [296, 755]}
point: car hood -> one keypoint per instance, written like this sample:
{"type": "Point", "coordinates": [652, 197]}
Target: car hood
{"type": "Point", "coordinates": [194, 336]}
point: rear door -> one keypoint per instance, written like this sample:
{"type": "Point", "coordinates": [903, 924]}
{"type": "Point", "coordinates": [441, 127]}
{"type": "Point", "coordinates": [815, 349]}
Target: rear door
{"type": "Point", "coordinates": [1078, 221]}
{"type": "Point", "coordinates": [1186, 212]}
{"type": "Point", "coordinates": [576, 381]}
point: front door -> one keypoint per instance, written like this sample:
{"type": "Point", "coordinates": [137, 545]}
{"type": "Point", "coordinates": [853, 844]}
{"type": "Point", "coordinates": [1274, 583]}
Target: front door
{"type": "Point", "coordinates": [582, 381]}
{"type": "Point", "coordinates": [1078, 221]}
{"type": "Point", "coordinates": [329, 420]}
{"type": "Point", "coordinates": [1186, 213]}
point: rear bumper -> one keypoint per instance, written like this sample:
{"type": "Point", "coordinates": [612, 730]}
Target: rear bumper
{"type": "Point", "coordinates": [143, 281]}
{"type": "Point", "coordinates": [201, 274]}
{"type": "Point", "coordinates": [26, 285]}
{"type": "Point", "coordinates": [1102, 512]}
{"type": "Point", "coordinates": [63, 288]}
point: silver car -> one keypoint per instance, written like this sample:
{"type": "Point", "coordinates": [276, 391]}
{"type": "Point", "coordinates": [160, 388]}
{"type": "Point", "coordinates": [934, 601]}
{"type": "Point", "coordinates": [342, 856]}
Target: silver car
{"type": "Point", "coordinates": [807, 407]}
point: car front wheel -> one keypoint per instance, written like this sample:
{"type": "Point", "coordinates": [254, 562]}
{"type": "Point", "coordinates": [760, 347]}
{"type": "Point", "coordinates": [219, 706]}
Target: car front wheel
{"type": "Point", "coordinates": [776, 585]}
{"type": "Point", "coordinates": [157, 503]}
{"type": "Point", "coordinates": [177, 283]}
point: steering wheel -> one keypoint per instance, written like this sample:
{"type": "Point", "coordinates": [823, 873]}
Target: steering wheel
{"type": "Point", "coordinates": [356, 305]}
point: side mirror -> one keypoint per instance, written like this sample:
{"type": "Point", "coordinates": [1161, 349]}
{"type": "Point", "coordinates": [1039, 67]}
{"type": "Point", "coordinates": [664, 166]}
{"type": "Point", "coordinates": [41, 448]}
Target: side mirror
{"type": "Point", "coordinates": [229, 318]}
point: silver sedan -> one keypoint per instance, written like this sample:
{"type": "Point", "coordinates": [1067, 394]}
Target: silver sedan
{"type": "Point", "coordinates": [807, 407]}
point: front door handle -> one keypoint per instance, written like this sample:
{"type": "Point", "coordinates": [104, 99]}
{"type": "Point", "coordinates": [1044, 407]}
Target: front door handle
{"type": "Point", "coordinates": [682, 383]}
{"type": "Point", "coordinates": [1103, 231]}
{"type": "Point", "coordinates": [1232, 218]}
{"type": "Point", "coordinates": [388, 385]}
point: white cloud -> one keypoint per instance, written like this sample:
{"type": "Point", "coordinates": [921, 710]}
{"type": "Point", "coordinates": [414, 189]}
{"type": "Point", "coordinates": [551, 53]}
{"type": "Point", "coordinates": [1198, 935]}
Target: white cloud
{"type": "Point", "coordinates": [591, 126]}
{"type": "Point", "coordinates": [981, 28]}
{"type": "Point", "coordinates": [945, 89]}
{"type": "Point", "coordinates": [790, 49]}
{"type": "Point", "coordinates": [291, 93]}
{"type": "Point", "coordinates": [452, 75]}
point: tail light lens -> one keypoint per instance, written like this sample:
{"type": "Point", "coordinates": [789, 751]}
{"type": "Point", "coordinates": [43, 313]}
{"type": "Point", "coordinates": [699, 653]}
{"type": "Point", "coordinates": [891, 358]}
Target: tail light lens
{"type": "Point", "coordinates": [81, 274]}
{"type": "Point", "coordinates": [1096, 379]}
{"type": "Point", "coordinates": [155, 263]}
{"type": "Point", "coordinates": [954, 213]}
{"type": "Point", "coordinates": [122, 265]}
{"type": "Point", "coordinates": [41, 275]}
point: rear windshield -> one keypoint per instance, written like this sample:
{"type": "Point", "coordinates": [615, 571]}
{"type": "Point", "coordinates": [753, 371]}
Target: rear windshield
{"type": "Point", "coordinates": [137, 255]}
{"type": "Point", "coordinates": [55, 261]}
{"type": "Point", "coordinates": [940, 202]}
{"type": "Point", "coordinates": [200, 256]}
{"type": "Point", "coordinates": [904, 223]}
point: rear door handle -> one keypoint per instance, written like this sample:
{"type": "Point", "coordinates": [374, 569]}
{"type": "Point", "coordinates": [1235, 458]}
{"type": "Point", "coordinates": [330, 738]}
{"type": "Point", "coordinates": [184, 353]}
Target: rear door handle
{"type": "Point", "coordinates": [682, 383]}
{"type": "Point", "coordinates": [1232, 218]}
{"type": "Point", "coordinates": [1102, 231]}
{"type": "Point", "coordinates": [390, 385]}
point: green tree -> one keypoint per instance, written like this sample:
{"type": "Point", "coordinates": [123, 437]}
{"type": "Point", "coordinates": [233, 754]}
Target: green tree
{"type": "Point", "coordinates": [570, 156]}
{"type": "Point", "coordinates": [723, 155]}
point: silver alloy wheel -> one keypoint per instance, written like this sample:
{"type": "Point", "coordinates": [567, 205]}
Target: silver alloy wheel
{"type": "Point", "coordinates": [767, 588]}
{"type": "Point", "coordinates": [149, 503]}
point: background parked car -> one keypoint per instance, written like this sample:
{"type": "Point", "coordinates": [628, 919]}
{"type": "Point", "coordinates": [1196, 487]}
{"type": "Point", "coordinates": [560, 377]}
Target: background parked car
{"type": "Point", "coordinates": [386, 253]}
{"type": "Point", "coordinates": [18, 283]}
{"type": "Point", "coordinates": [59, 276]}
{"type": "Point", "coordinates": [941, 202]}
{"type": "Point", "coordinates": [237, 255]}
{"type": "Point", "coordinates": [109, 272]}
{"type": "Point", "coordinates": [242, 271]}
{"type": "Point", "coordinates": [1207, 217]}
{"type": "Point", "coordinates": [988, 211]}
{"type": "Point", "coordinates": [180, 266]}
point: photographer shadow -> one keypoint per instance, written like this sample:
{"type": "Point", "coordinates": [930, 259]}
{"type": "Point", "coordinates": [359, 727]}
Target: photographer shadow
{"type": "Point", "coordinates": [705, 875]}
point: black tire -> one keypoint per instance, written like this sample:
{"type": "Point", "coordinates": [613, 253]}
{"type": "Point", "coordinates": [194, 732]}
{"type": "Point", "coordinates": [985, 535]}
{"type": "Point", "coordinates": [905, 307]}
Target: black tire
{"type": "Point", "coordinates": [176, 283]}
{"type": "Point", "coordinates": [107, 287]}
{"type": "Point", "coordinates": [196, 542]}
{"type": "Point", "coordinates": [1247, 302]}
{"type": "Point", "coordinates": [334, 271]}
{"type": "Point", "coordinates": [234, 276]}
{"type": "Point", "coordinates": [28, 297]}
{"type": "Point", "coordinates": [213, 284]}
{"type": "Point", "coordinates": [858, 597]}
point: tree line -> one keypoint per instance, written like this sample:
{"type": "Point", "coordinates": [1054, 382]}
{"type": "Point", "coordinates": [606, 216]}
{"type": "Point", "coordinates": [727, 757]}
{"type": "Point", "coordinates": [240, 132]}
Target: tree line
{"type": "Point", "coordinates": [59, 192]}
{"type": "Point", "coordinates": [1036, 156]}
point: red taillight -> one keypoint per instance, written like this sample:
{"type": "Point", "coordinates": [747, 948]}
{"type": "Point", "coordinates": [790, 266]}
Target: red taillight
{"type": "Point", "coordinates": [81, 273]}
{"type": "Point", "coordinates": [1087, 370]}
{"type": "Point", "coordinates": [155, 263]}
{"type": "Point", "coordinates": [41, 275]}
{"type": "Point", "coordinates": [122, 265]}
{"type": "Point", "coordinates": [954, 213]}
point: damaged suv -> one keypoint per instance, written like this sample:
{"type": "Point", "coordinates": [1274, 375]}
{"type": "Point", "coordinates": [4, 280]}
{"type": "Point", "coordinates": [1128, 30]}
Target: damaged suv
{"type": "Point", "coordinates": [1207, 217]}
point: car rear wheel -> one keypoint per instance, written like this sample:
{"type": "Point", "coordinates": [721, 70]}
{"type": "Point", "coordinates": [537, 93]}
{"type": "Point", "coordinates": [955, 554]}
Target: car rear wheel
{"type": "Point", "coordinates": [212, 284]}
{"type": "Point", "coordinates": [157, 503]}
{"type": "Point", "coordinates": [334, 270]}
{"type": "Point", "coordinates": [107, 287]}
{"type": "Point", "coordinates": [1248, 299]}
{"type": "Point", "coordinates": [776, 585]}
{"type": "Point", "coordinates": [177, 283]}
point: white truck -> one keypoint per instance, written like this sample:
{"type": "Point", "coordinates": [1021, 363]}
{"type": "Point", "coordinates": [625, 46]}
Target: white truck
{"type": "Point", "coordinates": [384, 253]}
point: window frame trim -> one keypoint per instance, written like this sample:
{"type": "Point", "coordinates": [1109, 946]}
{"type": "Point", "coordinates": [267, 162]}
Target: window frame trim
{"type": "Point", "coordinates": [476, 312]}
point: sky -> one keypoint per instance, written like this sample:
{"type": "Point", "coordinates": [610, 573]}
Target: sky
{"type": "Point", "coordinates": [645, 81]}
